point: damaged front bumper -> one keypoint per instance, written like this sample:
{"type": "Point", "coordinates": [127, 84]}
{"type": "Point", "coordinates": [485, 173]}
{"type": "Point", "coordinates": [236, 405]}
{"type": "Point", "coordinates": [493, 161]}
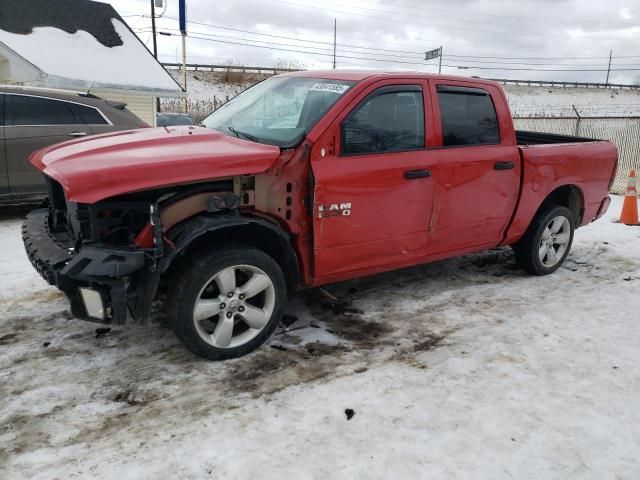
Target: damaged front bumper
{"type": "Point", "coordinates": [102, 283]}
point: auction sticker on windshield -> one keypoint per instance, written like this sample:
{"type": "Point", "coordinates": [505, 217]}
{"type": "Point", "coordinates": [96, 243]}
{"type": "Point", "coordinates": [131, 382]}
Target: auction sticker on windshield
{"type": "Point", "coordinates": [329, 87]}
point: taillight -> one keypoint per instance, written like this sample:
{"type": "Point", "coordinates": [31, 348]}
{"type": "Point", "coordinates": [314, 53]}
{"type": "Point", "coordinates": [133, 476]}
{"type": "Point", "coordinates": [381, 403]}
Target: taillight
{"type": "Point", "coordinates": [615, 172]}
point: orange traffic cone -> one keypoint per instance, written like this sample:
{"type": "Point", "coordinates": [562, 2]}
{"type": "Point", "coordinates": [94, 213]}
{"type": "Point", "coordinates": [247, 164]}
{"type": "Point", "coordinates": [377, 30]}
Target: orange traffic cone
{"type": "Point", "coordinates": [629, 214]}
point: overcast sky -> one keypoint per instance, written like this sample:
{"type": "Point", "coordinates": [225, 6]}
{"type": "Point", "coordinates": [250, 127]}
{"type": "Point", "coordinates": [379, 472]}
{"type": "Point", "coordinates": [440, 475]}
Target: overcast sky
{"type": "Point", "coordinates": [521, 34]}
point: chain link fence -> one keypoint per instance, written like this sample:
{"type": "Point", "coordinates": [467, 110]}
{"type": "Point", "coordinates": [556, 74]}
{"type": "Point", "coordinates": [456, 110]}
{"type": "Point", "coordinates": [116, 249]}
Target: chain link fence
{"type": "Point", "coordinates": [623, 131]}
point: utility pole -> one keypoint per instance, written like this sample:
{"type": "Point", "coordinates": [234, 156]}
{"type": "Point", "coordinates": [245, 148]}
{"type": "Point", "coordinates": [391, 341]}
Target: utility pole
{"type": "Point", "coordinates": [153, 28]}
{"type": "Point", "coordinates": [335, 28]}
{"type": "Point", "coordinates": [440, 63]}
{"type": "Point", "coordinates": [182, 7]}
{"type": "Point", "coordinates": [609, 67]}
{"type": "Point", "coordinates": [155, 45]}
{"type": "Point", "coordinates": [184, 70]}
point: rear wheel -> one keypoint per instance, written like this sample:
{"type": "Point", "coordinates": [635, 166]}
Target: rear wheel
{"type": "Point", "coordinates": [226, 303]}
{"type": "Point", "coordinates": [547, 242]}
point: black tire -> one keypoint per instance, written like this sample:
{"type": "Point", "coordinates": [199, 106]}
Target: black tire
{"type": "Point", "coordinates": [197, 273]}
{"type": "Point", "coordinates": [527, 249]}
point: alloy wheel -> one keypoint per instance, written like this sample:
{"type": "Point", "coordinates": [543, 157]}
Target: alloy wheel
{"type": "Point", "coordinates": [554, 241]}
{"type": "Point", "coordinates": [234, 306]}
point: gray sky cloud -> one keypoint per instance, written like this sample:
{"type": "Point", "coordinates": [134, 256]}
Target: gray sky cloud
{"type": "Point", "coordinates": [528, 39]}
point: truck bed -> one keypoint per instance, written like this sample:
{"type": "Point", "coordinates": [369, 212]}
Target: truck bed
{"type": "Point", "coordinates": [524, 137]}
{"type": "Point", "coordinates": [549, 162]}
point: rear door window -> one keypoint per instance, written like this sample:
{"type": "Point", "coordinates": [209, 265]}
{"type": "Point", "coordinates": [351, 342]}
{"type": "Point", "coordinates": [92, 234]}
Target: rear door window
{"type": "Point", "coordinates": [468, 116]}
{"type": "Point", "coordinates": [29, 110]}
{"type": "Point", "coordinates": [390, 119]}
{"type": "Point", "coordinates": [89, 115]}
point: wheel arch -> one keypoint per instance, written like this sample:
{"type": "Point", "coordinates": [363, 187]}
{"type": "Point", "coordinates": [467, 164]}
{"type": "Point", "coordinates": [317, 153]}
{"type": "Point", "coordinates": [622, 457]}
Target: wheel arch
{"type": "Point", "coordinates": [207, 231]}
{"type": "Point", "coordinates": [569, 196]}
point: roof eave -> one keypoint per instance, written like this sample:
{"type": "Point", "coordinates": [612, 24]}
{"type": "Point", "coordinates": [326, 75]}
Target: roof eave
{"type": "Point", "coordinates": [30, 70]}
{"type": "Point", "coordinates": [64, 83]}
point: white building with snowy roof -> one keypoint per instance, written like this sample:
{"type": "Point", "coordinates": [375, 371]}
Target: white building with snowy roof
{"type": "Point", "coordinates": [80, 45]}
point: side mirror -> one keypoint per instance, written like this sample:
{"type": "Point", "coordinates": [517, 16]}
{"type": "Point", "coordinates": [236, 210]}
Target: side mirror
{"type": "Point", "coordinates": [159, 3]}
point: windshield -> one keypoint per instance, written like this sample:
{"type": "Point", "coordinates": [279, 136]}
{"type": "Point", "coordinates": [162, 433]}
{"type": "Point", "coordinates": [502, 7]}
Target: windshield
{"type": "Point", "coordinates": [171, 120]}
{"type": "Point", "coordinates": [278, 111]}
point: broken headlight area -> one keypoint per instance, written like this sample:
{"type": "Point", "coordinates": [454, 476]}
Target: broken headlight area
{"type": "Point", "coordinates": [115, 224]}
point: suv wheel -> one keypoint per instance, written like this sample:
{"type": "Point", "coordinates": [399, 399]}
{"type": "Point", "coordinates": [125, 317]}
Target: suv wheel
{"type": "Point", "coordinates": [546, 244]}
{"type": "Point", "coordinates": [226, 303]}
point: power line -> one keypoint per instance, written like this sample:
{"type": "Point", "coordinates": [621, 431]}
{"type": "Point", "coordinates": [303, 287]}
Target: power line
{"type": "Point", "coordinates": [527, 17]}
{"type": "Point", "coordinates": [371, 52]}
{"type": "Point", "coordinates": [405, 22]}
{"type": "Point", "coordinates": [386, 56]}
{"type": "Point", "coordinates": [394, 51]}
{"type": "Point", "coordinates": [465, 67]}
{"type": "Point", "coordinates": [543, 58]}
{"type": "Point", "coordinates": [536, 64]}
{"type": "Point", "coordinates": [299, 39]}
{"type": "Point", "coordinates": [192, 34]}
{"type": "Point", "coordinates": [388, 10]}
{"type": "Point", "coordinates": [302, 51]}
{"type": "Point", "coordinates": [415, 56]}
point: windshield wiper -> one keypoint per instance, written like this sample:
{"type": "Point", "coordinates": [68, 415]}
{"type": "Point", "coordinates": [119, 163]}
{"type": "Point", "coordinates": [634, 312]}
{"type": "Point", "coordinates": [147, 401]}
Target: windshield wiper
{"type": "Point", "coordinates": [248, 136]}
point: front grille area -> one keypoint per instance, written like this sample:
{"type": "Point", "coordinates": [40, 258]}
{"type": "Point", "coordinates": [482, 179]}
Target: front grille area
{"type": "Point", "coordinates": [109, 223]}
{"type": "Point", "coordinates": [56, 194]}
{"type": "Point", "coordinates": [57, 205]}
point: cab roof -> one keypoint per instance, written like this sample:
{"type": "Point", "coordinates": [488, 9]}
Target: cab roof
{"type": "Point", "coordinates": [359, 75]}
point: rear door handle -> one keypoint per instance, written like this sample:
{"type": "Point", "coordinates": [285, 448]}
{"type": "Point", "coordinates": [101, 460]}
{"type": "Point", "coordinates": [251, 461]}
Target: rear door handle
{"type": "Point", "coordinates": [77, 134]}
{"type": "Point", "coordinates": [413, 174]}
{"type": "Point", "coordinates": [504, 165]}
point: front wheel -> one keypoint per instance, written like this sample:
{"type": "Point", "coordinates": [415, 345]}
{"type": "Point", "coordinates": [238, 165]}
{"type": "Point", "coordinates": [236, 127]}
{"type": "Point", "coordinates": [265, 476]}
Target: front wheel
{"type": "Point", "coordinates": [226, 303]}
{"type": "Point", "coordinates": [546, 244]}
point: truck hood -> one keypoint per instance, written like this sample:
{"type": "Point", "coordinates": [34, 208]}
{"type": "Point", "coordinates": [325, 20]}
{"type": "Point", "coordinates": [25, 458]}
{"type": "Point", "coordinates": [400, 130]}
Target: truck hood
{"type": "Point", "coordinates": [101, 166]}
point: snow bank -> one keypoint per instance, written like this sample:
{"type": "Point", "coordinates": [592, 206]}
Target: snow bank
{"type": "Point", "coordinates": [523, 100]}
{"type": "Point", "coordinates": [209, 86]}
{"type": "Point", "coordinates": [557, 101]}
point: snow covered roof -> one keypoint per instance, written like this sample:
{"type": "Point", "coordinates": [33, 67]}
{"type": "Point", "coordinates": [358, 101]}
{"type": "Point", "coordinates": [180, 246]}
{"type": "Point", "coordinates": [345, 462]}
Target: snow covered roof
{"type": "Point", "coordinates": [77, 44]}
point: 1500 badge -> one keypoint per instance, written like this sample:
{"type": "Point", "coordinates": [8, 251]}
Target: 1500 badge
{"type": "Point", "coordinates": [334, 210]}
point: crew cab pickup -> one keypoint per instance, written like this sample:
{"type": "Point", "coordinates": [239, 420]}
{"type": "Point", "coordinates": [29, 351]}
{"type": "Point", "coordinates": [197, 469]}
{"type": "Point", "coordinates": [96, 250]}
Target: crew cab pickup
{"type": "Point", "coordinates": [302, 180]}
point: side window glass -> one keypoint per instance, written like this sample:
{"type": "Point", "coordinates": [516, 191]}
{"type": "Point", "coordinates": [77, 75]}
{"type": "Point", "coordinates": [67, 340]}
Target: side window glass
{"type": "Point", "coordinates": [28, 110]}
{"type": "Point", "coordinates": [386, 121]}
{"type": "Point", "coordinates": [89, 115]}
{"type": "Point", "coordinates": [468, 116]}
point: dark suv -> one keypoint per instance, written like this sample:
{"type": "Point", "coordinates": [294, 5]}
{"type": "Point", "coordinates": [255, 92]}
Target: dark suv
{"type": "Point", "coordinates": [31, 119]}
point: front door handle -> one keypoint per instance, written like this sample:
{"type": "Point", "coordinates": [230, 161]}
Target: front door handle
{"type": "Point", "coordinates": [504, 165]}
{"type": "Point", "coordinates": [413, 174]}
{"type": "Point", "coordinates": [77, 134]}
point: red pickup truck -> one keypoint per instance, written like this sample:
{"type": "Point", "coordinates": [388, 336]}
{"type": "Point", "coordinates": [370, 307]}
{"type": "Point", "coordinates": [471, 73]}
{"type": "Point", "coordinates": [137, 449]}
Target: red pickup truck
{"type": "Point", "coordinates": [303, 180]}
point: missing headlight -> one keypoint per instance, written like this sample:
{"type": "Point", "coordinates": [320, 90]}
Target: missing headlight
{"type": "Point", "coordinates": [118, 223]}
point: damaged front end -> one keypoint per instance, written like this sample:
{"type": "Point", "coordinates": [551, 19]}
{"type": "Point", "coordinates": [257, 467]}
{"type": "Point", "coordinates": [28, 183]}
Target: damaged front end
{"type": "Point", "coordinates": [89, 252]}
{"type": "Point", "coordinates": [108, 257]}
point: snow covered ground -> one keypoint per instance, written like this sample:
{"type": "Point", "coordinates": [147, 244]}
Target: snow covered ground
{"type": "Point", "coordinates": [466, 368]}
{"type": "Point", "coordinates": [210, 86]}
{"type": "Point", "coordinates": [527, 100]}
